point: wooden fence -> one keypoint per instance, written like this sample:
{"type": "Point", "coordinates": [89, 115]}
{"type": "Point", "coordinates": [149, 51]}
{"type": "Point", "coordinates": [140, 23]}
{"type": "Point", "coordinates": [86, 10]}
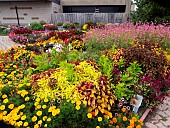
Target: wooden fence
{"type": "Point", "coordinates": [85, 17]}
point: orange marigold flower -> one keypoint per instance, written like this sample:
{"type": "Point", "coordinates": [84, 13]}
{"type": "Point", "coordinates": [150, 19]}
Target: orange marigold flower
{"type": "Point", "coordinates": [129, 127]}
{"type": "Point", "coordinates": [123, 109]}
{"type": "Point", "coordinates": [93, 113]}
{"type": "Point", "coordinates": [138, 126]}
{"type": "Point", "coordinates": [114, 120]}
{"type": "Point", "coordinates": [117, 126]}
{"type": "Point", "coordinates": [111, 122]}
{"type": "Point", "coordinates": [134, 119]}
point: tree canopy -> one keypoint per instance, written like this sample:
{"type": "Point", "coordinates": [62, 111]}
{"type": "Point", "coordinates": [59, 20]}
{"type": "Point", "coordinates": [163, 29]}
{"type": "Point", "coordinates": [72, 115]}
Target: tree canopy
{"type": "Point", "coordinates": [152, 10]}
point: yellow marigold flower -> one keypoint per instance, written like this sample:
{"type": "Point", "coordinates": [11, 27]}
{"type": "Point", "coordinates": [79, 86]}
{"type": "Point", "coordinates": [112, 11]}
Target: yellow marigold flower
{"type": "Point", "coordinates": [138, 126]}
{"type": "Point", "coordinates": [124, 118]}
{"type": "Point", "coordinates": [19, 123]}
{"type": "Point", "coordinates": [27, 98]}
{"type": "Point", "coordinates": [44, 106]}
{"type": "Point", "coordinates": [28, 84]}
{"type": "Point", "coordinates": [39, 113]}
{"type": "Point", "coordinates": [4, 112]}
{"type": "Point", "coordinates": [12, 122]}
{"type": "Point", "coordinates": [34, 118]}
{"type": "Point", "coordinates": [55, 112]}
{"type": "Point", "coordinates": [110, 114]}
{"type": "Point", "coordinates": [44, 118]}
{"type": "Point", "coordinates": [21, 106]}
{"type": "Point", "coordinates": [25, 124]}
{"type": "Point", "coordinates": [37, 99]}
{"type": "Point", "coordinates": [77, 107]}
{"type": "Point", "coordinates": [97, 126]}
{"type": "Point", "coordinates": [49, 119]}
{"type": "Point", "coordinates": [4, 96]}
{"type": "Point", "coordinates": [21, 113]}
{"type": "Point", "coordinates": [45, 126]}
{"type": "Point", "coordinates": [51, 108]}
{"type": "Point", "coordinates": [36, 126]}
{"type": "Point", "coordinates": [11, 106]}
{"type": "Point", "coordinates": [36, 103]}
{"type": "Point", "coordinates": [78, 103]}
{"type": "Point", "coordinates": [5, 101]}
{"type": "Point", "coordinates": [99, 119]}
{"type": "Point", "coordinates": [45, 100]}
{"type": "Point", "coordinates": [2, 107]}
{"type": "Point", "coordinates": [23, 117]}
{"type": "Point", "coordinates": [40, 122]}
{"type": "Point", "coordinates": [117, 126]}
{"type": "Point", "coordinates": [132, 121]}
{"type": "Point", "coordinates": [123, 109]}
{"type": "Point", "coordinates": [15, 66]}
{"type": "Point", "coordinates": [38, 107]}
{"type": "Point", "coordinates": [89, 115]}
{"type": "Point", "coordinates": [114, 120]}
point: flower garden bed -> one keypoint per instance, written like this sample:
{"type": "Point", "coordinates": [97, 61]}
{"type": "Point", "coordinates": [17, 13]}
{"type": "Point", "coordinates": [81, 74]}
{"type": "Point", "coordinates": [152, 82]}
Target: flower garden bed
{"type": "Point", "coordinates": [95, 79]}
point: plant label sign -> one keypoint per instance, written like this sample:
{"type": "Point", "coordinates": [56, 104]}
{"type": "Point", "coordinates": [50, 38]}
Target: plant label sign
{"type": "Point", "coordinates": [136, 101]}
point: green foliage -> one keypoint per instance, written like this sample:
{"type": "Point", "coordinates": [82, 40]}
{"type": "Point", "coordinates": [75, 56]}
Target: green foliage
{"type": "Point", "coordinates": [150, 10]}
{"type": "Point", "coordinates": [36, 26]}
{"type": "Point", "coordinates": [5, 32]}
{"type": "Point", "coordinates": [128, 81]}
{"type": "Point", "coordinates": [59, 24]}
{"type": "Point", "coordinates": [106, 66]}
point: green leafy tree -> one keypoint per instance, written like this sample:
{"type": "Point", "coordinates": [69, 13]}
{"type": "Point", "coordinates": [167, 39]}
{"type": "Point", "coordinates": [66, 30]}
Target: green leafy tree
{"type": "Point", "coordinates": [151, 10]}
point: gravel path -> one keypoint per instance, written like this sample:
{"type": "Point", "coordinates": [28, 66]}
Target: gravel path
{"type": "Point", "coordinates": [6, 42]}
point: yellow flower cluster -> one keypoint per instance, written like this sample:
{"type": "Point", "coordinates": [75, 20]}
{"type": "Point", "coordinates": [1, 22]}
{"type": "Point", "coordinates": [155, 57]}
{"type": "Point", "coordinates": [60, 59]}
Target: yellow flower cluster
{"type": "Point", "coordinates": [54, 111]}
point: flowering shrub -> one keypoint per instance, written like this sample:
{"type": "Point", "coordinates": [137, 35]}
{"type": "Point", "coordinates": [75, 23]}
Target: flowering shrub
{"type": "Point", "coordinates": [87, 82]}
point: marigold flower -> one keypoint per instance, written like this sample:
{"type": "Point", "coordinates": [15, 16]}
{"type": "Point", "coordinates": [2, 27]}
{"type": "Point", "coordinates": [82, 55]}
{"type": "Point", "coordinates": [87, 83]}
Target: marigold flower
{"type": "Point", "coordinates": [45, 126]}
{"type": "Point", "coordinates": [21, 106]}
{"type": "Point", "coordinates": [4, 96]}
{"type": "Point", "coordinates": [34, 118]}
{"type": "Point", "coordinates": [124, 118]}
{"type": "Point", "coordinates": [117, 126]}
{"type": "Point", "coordinates": [37, 99]}
{"type": "Point", "coordinates": [78, 103]}
{"type": "Point", "coordinates": [45, 100]}
{"type": "Point", "coordinates": [99, 119]}
{"type": "Point", "coordinates": [36, 104]}
{"type": "Point", "coordinates": [40, 122]}
{"type": "Point", "coordinates": [25, 124]}
{"type": "Point", "coordinates": [89, 115]}
{"type": "Point", "coordinates": [27, 98]}
{"type": "Point", "coordinates": [15, 66]}
{"type": "Point", "coordinates": [39, 113]}
{"type": "Point", "coordinates": [19, 123]}
{"type": "Point", "coordinates": [97, 126]}
{"type": "Point", "coordinates": [138, 126]}
{"type": "Point", "coordinates": [123, 109]}
{"type": "Point", "coordinates": [11, 106]}
{"type": "Point", "coordinates": [129, 127]}
{"type": "Point", "coordinates": [2, 107]}
{"type": "Point", "coordinates": [38, 107]}
{"type": "Point", "coordinates": [44, 106]}
{"type": "Point", "coordinates": [5, 101]}
{"type": "Point", "coordinates": [77, 107]}
{"type": "Point", "coordinates": [44, 118]}
{"type": "Point", "coordinates": [36, 126]}
{"type": "Point", "coordinates": [55, 112]}
{"type": "Point", "coordinates": [114, 120]}
{"type": "Point", "coordinates": [49, 119]}
{"type": "Point", "coordinates": [4, 112]}
{"type": "Point", "coordinates": [23, 117]}
{"type": "Point", "coordinates": [134, 119]}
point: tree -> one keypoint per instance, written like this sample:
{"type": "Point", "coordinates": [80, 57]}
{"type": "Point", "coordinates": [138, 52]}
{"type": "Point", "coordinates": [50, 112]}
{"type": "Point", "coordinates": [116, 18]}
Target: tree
{"type": "Point", "coordinates": [151, 10]}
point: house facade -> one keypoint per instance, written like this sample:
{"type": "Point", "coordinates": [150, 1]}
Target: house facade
{"type": "Point", "coordinates": [38, 10]}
